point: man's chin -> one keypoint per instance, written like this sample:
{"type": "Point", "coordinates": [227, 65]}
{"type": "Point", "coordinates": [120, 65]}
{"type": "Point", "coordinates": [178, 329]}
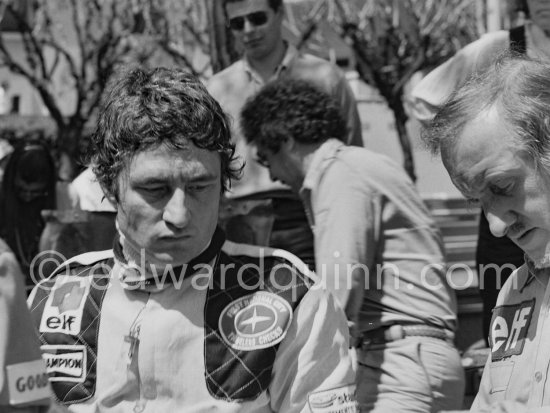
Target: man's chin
{"type": "Point", "coordinates": [166, 259]}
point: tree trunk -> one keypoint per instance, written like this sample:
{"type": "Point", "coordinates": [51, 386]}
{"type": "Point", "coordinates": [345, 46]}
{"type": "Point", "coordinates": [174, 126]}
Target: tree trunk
{"type": "Point", "coordinates": [396, 105]}
{"type": "Point", "coordinates": [222, 50]}
{"type": "Point", "coordinates": [69, 141]}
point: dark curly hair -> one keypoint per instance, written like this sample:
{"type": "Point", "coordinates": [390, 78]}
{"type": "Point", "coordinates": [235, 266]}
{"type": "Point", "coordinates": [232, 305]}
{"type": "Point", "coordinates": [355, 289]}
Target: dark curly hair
{"type": "Point", "coordinates": [147, 108]}
{"type": "Point", "coordinates": [293, 108]}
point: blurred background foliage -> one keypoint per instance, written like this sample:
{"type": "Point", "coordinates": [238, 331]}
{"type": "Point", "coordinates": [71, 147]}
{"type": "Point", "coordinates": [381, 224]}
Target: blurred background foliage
{"type": "Point", "coordinates": [67, 50]}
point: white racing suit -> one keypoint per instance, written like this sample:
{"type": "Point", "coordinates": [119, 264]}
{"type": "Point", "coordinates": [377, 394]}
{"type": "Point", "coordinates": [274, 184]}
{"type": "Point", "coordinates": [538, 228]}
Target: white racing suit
{"type": "Point", "coordinates": [247, 333]}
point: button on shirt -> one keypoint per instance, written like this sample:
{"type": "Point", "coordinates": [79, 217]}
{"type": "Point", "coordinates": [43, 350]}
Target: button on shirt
{"type": "Point", "coordinates": [235, 84]}
{"type": "Point", "coordinates": [367, 216]}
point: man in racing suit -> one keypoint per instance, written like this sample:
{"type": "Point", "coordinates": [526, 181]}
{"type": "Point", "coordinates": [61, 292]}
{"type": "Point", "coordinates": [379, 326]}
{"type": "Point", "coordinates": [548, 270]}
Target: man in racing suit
{"type": "Point", "coordinates": [493, 135]}
{"type": "Point", "coordinates": [173, 318]}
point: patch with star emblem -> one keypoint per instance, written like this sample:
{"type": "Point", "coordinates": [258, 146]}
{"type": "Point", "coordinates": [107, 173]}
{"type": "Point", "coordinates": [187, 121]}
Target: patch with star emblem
{"type": "Point", "coordinates": [255, 321]}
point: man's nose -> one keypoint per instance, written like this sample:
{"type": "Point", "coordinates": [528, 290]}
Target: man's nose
{"type": "Point", "coordinates": [248, 27]}
{"type": "Point", "coordinates": [499, 221]}
{"type": "Point", "coordinates": [175, 212]}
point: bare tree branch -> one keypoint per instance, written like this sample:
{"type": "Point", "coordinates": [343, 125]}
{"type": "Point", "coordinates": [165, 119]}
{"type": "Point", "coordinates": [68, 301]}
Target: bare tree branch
{"type": "Point", "coordinates": [89, 40]}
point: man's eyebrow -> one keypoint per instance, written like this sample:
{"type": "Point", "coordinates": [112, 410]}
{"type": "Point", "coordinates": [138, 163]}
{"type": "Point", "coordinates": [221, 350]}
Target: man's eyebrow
{"type": "Point", "coordinates": [161, 179]}
{"type": "Point", "coordinates": [471, 185]}
{"type": "Point", "coordinates": [203, 177]}
{"type": "Point", "coordinates": [150, 180]}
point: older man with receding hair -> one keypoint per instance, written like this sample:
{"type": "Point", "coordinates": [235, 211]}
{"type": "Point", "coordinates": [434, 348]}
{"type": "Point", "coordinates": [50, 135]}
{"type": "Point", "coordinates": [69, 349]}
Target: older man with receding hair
{"type": "Point", "coordinates": [494, 139]}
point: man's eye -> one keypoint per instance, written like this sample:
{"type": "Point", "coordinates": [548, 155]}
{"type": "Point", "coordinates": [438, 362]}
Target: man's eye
{"type": "Point", "coordinates": [473, 201]}
{"type": "Point", "coordinates": [198, 188]}
{"type": "Point", "coordinates": [153, 190]}
{"type": "Point", "coordinates": [500, 190]}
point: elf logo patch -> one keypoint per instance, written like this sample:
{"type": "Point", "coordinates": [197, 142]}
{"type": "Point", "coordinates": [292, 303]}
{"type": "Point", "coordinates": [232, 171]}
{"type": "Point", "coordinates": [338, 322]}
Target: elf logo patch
{"type": "Point", "coordinates": [509, 327]}
{"type": "Point", "coordinates": [63, 310]}
{"type": "Point", "coordinates": [65, 362]}
{"type": "Point", "coordinates": [256, 321]}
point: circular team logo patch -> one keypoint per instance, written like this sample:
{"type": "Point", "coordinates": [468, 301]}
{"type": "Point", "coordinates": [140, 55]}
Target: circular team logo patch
{"type": "Point", "coordinates": [256, 321]}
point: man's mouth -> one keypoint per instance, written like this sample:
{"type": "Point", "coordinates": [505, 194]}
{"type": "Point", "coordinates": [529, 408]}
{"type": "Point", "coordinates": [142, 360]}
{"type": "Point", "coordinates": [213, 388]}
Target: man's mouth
{"type": "Point", "coordinates": [174, 237]}
{"type": "Point", "coordinates": [521, 237]}
{"type": "Point", "coordinates": [252, 42]}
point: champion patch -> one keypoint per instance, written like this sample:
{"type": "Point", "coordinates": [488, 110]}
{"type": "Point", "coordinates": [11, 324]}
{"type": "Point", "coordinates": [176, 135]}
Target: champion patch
{"type": "Point", "coordinates": [256, 321]}
{"type": "Point", "coordinates": [340, 400]}
{"type": "Point", "coordinates": [27, 382]}
{"type": "Point", "coordinates": [509, 327]}
{"type": "Point", "coordinates": [65, 362]}
{"type": "Point", "coordinates": [63, 310]}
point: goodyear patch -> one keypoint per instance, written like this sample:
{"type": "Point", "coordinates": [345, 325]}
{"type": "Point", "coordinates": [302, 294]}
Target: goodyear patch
{"type": "Point", "coordinates": [27, 382]}
{"type": "Point", "coordinates": [63, 310]}
{"type": "Point", "coordinates": [509, 327]}
{"type": "Point", "coordinates": [256, 321]}
{"type": "Point", "coordinates": [339, 400]}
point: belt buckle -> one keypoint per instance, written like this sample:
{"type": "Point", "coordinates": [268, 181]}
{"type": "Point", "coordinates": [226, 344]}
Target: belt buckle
{"type": "Point", "coordinates": [395, 332]}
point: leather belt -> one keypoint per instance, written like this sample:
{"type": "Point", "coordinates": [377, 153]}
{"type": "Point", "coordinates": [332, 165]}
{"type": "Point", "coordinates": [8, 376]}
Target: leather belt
{"type": "Point", "coordinates": [395, 332]}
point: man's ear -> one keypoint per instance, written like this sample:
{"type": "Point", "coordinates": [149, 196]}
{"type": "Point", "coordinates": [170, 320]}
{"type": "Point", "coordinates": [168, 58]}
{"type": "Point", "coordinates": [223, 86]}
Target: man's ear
{"type": "Point", "coordinates": [289, 144]}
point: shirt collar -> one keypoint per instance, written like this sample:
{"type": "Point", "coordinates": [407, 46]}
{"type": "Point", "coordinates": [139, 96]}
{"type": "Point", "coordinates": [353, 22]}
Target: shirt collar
{"type": "Point", "coordinates": [322, 157]}
{"type": "Point", "coordinates": [534, 273]}
{"type": "Point", "coordinates": [289, 57]}
{"type": "Point", "coordinates": [137, 278]}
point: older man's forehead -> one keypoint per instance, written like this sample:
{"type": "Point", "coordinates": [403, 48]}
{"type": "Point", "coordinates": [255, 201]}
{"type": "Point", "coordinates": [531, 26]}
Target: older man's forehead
{"type": "Point", "coordinates": [477, 150]}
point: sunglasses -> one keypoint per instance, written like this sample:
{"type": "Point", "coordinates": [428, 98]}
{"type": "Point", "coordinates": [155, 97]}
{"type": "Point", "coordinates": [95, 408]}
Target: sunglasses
{"type": "Point", "coordinates": [255, 19]}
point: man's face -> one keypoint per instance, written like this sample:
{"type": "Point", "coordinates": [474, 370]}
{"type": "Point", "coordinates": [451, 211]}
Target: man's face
{"type": "Point", "coordinates": [484, 165]}
{"type": "Point", "coordinates": [168, 202]}
{"type": "Point", "coordinates": [258, 40]}
{"type": "Point", "coordinates": [539, 11]}
{"type": "Point", "coordinates": [284, 165]}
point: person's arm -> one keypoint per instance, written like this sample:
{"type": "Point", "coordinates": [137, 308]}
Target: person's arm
{"type": "Point", "coordinates": [313, 370]}
{"type": "Point", "coordinates": [24, 385]}
{"type": "Point", "coordinates": [347, 225]}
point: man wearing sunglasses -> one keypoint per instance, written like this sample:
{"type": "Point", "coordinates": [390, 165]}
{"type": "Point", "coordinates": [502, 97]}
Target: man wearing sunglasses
{"type": "Point", "coordinates": [257, 28]}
